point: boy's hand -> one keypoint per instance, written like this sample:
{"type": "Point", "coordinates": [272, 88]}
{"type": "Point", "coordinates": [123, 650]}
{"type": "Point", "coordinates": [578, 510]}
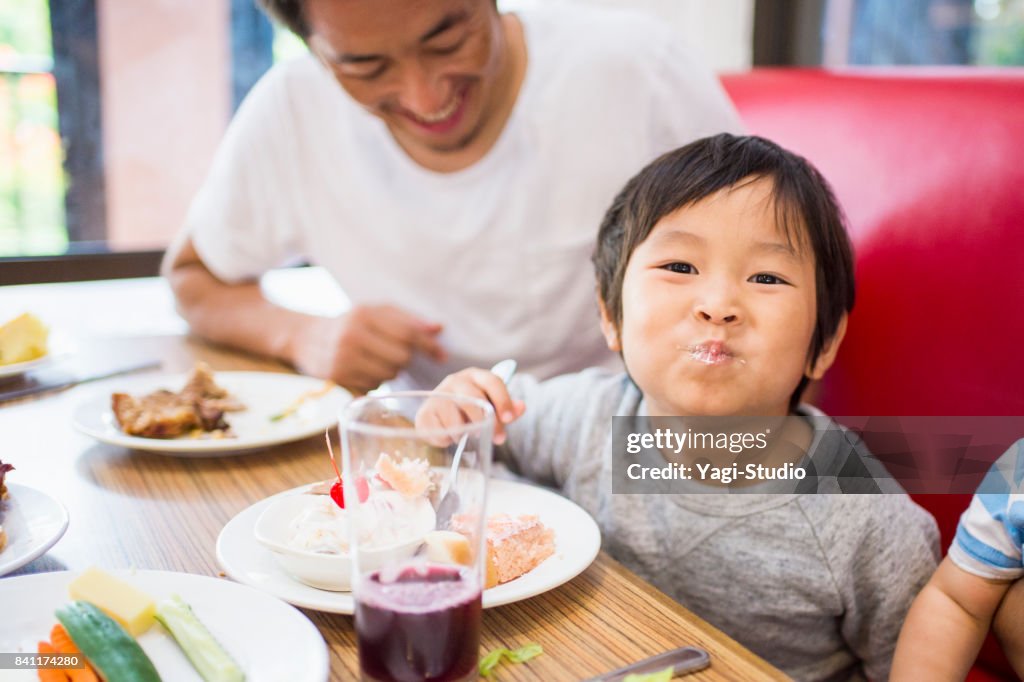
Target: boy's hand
{"type": "Point", "coordinates": [471, 383]}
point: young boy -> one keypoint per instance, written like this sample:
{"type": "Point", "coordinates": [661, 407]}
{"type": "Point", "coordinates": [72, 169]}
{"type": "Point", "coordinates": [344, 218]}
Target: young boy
{"type": "Point", "coordinates": [952, 615]}
{"type": "Point", "coordinates": [724, 278]}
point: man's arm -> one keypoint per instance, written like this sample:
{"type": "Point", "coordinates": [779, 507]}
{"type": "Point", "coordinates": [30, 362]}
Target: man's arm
{"type": "Point", "coordinates": [946, 625]}
{"type": "Point", "coordinates": [358, 350]}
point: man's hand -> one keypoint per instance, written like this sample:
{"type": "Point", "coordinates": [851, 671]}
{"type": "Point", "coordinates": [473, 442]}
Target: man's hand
{"type": "Point", "coordinates": [364, 347]}
{"type": "Point", "coordinates": [471, 383]}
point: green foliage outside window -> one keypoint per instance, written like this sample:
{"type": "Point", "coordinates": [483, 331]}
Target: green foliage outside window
{"type": "Point", "coordinates": [31, 171]}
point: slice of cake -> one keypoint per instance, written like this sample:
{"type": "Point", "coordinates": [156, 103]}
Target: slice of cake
{"type": "Point", "coordinates": [515, 545]}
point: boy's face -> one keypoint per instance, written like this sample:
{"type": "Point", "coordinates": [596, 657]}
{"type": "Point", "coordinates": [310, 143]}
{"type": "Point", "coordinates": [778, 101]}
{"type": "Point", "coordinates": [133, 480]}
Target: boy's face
{"type": "Point", "coordinates": [719, 309]}
{"type": "Point", "coordinates": [429, 70]}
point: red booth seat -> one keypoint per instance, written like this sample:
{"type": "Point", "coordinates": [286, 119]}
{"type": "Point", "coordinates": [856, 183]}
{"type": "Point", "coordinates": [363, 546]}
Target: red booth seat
{"type": "Point", "coordinates": [929, 167]}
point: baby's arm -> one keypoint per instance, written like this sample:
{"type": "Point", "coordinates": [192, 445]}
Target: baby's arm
{"type": "Point", "coordinates": [946, 625]}
{"type": "Point", "coordinates": [1009, 627]}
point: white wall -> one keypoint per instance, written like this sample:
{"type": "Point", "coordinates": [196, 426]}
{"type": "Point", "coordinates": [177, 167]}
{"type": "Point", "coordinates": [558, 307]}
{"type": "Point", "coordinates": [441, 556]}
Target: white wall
{"type": "Point", "coordinates": [722, 31]}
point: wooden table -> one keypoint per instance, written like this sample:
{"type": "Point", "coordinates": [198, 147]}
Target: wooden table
{"type": "Point", "coordinates": [135, 509]}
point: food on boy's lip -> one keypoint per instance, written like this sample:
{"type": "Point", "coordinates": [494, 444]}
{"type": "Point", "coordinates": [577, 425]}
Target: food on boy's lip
{"type": "Point", "coordinates": [23, 339]}
{"type": "Point", "coordinates": [197, 409]}
{"type": "Point", "coordinates": [132, 608]}
{"type": "Point", "coordinates": [4, 468]}
{"type": "Point", "coordinates": [515, 545]}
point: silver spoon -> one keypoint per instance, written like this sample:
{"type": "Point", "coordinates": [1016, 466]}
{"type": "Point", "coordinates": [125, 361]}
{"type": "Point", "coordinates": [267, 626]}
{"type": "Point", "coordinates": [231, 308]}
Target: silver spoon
{"type": "Point", "coordinates": [450, 498]}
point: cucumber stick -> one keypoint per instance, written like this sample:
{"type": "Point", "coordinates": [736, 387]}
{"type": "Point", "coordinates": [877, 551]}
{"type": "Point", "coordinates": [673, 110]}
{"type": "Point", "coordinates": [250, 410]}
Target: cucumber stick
{"type": "Point", "coordinates": [112, 651]}
{"type": "Point", "coordinates": [210, 659]}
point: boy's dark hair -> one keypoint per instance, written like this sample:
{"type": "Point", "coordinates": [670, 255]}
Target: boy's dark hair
{"type": "Point", "coordinates": [806, 211]}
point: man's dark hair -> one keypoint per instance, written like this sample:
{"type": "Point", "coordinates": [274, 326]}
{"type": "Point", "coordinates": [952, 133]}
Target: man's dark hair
{"type": "Point", "coordinates": [289, 13]}
{"type": "Point", "coordinates": [806, 212]}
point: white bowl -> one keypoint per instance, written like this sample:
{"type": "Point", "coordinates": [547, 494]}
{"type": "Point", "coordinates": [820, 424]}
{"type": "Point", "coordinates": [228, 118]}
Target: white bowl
{"type": "Point", "coordinates": [332, 572]}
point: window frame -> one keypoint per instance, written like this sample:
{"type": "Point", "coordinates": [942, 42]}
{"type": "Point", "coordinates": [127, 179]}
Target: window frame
{"type": "Point", "coordinates": [74, 31]}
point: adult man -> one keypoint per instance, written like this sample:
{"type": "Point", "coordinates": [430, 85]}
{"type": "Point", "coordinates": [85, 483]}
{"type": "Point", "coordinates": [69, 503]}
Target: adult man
{"type": "Point", "coordinates": [452, 185]}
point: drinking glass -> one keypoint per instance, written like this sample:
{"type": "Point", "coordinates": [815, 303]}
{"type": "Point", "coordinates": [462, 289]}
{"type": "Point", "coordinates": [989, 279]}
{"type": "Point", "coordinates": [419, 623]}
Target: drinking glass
{"type": "Point", "coordinates": [415, 468]}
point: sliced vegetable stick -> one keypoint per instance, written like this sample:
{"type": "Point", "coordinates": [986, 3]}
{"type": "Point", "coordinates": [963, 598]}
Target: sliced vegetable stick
{"type": "Point", "coordinates": [50, 674]}
{"type": "Point", "coordinates": [62, 642]}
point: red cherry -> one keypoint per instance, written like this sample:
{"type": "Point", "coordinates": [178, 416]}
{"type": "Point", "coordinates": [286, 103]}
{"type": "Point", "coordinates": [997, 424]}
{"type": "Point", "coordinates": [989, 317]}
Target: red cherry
{"type": "Point", "coordinates": [337, 494]}
{"type": "Point", "coordinates": [362, 490]}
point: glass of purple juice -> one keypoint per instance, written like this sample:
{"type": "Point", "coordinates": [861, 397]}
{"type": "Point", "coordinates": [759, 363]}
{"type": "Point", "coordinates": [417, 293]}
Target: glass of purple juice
{"type": "Point", "coordinates": [414, 471]}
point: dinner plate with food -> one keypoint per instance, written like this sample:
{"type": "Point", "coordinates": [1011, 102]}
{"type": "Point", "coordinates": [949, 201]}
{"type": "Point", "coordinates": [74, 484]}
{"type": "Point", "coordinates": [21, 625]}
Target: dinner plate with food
{"type": "Point", "coordinates": [27, 344]}
{"type": "Point", "coordinates": [153, 625]}
{"type": "Point", "coordinates": [207, 413]}
{"type": "Point", "coordinates": [294, 545]}
{"type": "Point", "coordinates": [31, 522]}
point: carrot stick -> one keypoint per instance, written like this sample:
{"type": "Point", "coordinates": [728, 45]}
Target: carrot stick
{"type": "Point", "coordinates": [50, 674]}
{"type": "Point", "coordinates": [63, 643]}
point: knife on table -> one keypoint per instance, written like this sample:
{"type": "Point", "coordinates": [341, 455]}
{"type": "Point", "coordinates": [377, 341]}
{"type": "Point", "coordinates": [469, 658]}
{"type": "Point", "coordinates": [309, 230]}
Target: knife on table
{"type": "Point", "coordinates": [44, 381]}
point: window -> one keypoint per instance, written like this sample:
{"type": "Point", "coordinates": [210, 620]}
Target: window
{"type": "Point", "coordinates": [31, 176]}
{"type": "Point", "coordinates": [105, 135]}
{"type": "Point", "coordinates": [924, 32]}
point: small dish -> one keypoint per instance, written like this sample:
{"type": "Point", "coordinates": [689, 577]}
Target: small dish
{"type": "Point", "coordinates": [322, 570]}
{"type": "Point", "coordinates": [270, 640]}
{"type": "Point", "coordinates": [60, 347]}
{"type": "Point", "coordinates": [269, 419]}
{"type": "Point", "coordinates": [34, 522]}
{"type": "Point", "coordinates": [577, 540]}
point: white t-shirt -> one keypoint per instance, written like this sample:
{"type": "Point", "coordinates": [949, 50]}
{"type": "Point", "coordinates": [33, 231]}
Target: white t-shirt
{"type": "Point", "coordinates": [499, 253]}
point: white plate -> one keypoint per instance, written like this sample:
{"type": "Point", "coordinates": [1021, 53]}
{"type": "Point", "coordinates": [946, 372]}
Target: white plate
{"type": "Point", "coordinates": [267, 638]}
{"type": "Point", "coordinates": [577, 542]}
{"type": "Point", "coordinates": [264, 394]}
{"type": "Point", "coordinates": [60, 347]}
{"type": "Point", "coordinates": [33, 521]}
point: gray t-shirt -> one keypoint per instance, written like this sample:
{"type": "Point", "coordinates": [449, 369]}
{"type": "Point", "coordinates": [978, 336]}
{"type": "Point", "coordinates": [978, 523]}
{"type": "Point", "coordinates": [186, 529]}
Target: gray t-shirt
{"type": "Point", "coordinates": [818, 585]}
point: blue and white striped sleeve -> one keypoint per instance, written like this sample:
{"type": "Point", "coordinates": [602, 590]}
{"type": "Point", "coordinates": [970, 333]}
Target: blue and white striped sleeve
{"type": "Point", "coordinates": [990, 535]}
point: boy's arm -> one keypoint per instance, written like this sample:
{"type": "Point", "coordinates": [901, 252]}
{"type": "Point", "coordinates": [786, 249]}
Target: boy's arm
{"type": "Point", "coordinates": [946, 625]}
{"type": "Point", "coordinates": [534, 446]}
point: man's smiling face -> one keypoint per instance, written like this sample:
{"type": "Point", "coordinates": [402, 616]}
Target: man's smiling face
{"type": "Point", "coordinates": [430, 69]}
